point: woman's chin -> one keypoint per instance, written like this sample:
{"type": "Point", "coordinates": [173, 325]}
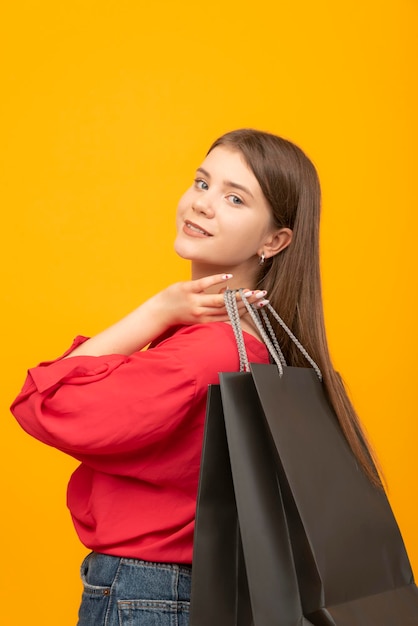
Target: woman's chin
{"type": "Point", "coordinates": [181, 251]}
{"type": "Point", "coordinates": [184, 251]}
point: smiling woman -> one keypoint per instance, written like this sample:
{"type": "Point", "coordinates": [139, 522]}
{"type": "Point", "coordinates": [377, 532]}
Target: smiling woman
{"type": "Point", "coordinates": [134, 418]}
{"type": "Point", "coordinates": [231, 215]}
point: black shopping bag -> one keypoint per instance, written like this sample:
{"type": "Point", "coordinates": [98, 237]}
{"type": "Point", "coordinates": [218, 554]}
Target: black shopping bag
{"type": "Point", "coordinates": [351, 562]}
{"type": "Point", "coordinates": [241, 529]}
{"type": "Point", "coordinates": [309, 539]}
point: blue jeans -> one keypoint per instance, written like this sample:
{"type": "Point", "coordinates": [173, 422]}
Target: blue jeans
{"type": "Point", "coordinates": [129, 592]}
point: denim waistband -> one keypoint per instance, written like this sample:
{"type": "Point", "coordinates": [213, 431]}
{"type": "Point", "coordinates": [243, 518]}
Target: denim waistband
{"type": "Point", "coordinates": [136, 577]}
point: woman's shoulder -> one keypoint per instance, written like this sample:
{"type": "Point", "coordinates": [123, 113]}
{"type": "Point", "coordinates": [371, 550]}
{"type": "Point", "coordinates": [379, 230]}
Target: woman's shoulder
{"type": "Point", "coordinates": [211, 343]}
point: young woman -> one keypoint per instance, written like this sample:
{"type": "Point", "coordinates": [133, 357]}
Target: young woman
{"type": "Point", "coordinates": [134, 418]}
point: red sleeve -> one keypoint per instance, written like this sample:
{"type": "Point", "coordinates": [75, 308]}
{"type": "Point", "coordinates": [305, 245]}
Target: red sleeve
{"type": "Point", "coordinates": [112, 404]}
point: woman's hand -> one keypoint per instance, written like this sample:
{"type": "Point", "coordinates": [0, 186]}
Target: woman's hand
{"type": "Point", "coordinates": [181, 303]}
{"type": "Point", "coordinates": [189, 303]}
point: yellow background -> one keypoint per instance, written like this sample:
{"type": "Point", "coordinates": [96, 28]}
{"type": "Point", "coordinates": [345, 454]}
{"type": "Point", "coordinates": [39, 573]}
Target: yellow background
{"type": "Point", "coordinates": [106, 110]}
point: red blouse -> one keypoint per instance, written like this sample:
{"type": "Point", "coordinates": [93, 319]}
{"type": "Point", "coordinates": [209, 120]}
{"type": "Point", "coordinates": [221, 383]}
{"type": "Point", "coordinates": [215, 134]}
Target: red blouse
{"type": "Point", "coordinates": [136, 424]}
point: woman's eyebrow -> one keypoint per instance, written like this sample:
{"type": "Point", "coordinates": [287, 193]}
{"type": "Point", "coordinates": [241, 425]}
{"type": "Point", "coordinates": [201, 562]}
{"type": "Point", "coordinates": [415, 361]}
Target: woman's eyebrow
{"type": "Point", "coordinates": [227, 183]}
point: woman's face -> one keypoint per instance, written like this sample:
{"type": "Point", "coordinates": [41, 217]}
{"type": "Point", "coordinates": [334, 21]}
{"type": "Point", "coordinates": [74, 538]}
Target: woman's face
{"type": "Point", "coordinates": [224, 220]}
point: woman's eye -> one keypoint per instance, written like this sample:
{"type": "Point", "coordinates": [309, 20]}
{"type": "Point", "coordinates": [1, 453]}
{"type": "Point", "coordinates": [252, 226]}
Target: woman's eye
{"type": "Point", "coordinates": [235, 199]}
{"type": "Point", "coordinates": [201, 184]}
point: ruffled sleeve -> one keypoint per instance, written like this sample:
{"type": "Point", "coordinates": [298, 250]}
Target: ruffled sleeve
{"type": "Point", "coordinates": [107, 405]}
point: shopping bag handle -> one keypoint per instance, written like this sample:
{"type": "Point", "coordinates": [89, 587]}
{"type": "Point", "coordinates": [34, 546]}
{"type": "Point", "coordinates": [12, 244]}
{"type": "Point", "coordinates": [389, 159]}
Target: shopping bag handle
{"type": "Point", "coordinates": [265, 329]}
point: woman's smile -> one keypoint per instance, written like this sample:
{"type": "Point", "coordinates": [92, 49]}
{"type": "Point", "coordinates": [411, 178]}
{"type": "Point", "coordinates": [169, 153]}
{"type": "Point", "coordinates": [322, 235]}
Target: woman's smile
{"type": "Point", "coordinates": [194, 230]}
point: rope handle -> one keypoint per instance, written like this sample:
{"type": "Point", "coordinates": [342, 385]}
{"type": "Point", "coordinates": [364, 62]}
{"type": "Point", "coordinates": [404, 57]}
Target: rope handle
{"type": "Point", "coordinates": [232, 310]}
{"type": "Point", "coordinates": [265, 329]}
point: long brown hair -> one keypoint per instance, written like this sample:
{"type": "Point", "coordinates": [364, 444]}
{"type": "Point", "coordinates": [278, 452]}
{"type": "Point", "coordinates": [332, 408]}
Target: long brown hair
{"type": "Point", "coordinates": [290, 184]}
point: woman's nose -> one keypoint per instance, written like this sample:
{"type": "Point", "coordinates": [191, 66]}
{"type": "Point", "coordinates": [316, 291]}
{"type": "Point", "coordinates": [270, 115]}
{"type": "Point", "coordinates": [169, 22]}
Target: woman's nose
{"type": "Point", "coordinates": [203, 205]}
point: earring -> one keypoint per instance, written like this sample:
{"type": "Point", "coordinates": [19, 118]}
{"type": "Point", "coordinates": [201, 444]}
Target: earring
{"type": "Point", "coordinates": [261, 259]}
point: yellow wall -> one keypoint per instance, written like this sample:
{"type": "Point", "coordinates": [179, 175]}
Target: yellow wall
{"type": "Point", "coordinates": [106, 109]}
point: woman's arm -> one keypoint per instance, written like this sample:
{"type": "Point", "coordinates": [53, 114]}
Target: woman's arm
{"type": "Point", "coordinates": [180, 303]}
{"type": "Point", "coordinates": [116, 405]}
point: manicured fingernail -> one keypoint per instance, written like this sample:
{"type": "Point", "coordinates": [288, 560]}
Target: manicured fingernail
{"type": "Point", "coordinates": [226, 276]}
{"type": "Point", "coordinates": [249, 293]}
{"type": "Point", "coordinates": [262, 303]}
{"type": "Point", "coordinates": [261, 294]}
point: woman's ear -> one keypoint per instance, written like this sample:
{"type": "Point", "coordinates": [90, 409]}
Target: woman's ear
{"type": "Point", "coordinates": [277, 242]}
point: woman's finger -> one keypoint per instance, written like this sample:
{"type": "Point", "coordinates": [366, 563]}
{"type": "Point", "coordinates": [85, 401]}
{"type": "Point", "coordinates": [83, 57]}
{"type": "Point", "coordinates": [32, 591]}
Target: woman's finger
{"type": "Point", "coordinates": [217, 300]}
{"type": "Point", "coordinates": [252, 295]}
{"type": "Point", "coordinates": [209, 281]}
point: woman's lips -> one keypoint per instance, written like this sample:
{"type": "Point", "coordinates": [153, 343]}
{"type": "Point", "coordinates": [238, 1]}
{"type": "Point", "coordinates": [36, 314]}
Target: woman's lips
{"type": "Point", "coordinates": [193, 230]}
